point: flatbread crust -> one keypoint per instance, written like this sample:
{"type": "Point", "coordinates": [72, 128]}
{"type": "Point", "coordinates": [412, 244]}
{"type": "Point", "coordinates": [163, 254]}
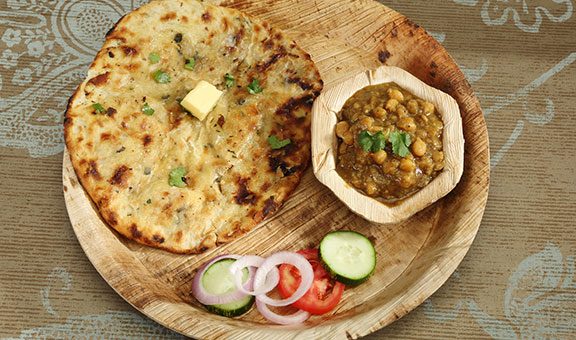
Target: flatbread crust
{"type": "Point", "coordinates": [234, 179]}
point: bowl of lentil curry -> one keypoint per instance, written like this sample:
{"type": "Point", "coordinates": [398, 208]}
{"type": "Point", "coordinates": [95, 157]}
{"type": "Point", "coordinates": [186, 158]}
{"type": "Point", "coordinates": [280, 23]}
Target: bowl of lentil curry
{"type": "Point", "coordinates": [387, 144]}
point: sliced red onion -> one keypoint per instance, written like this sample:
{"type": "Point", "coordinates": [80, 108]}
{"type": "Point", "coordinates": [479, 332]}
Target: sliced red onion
{"type": "Point", "coordinates": [253, 261]}
{"type": "Point", "coordinates": [206, 298]}
{"type": "Point", "coordinates": [298, 317]}
{"type": "Point", "coordinates": [295, 259]}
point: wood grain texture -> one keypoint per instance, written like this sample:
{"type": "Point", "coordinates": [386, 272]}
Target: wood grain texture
{"type": "Point", "coordinates": [324, 144]}
{"type": "Point", "coordinates": [414, 257]}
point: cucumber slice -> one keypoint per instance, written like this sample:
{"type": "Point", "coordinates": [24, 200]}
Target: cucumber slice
{"type": "Point", "coordinates": [217, 280]}
{"type": "Point", "coordinates": [349, 256]}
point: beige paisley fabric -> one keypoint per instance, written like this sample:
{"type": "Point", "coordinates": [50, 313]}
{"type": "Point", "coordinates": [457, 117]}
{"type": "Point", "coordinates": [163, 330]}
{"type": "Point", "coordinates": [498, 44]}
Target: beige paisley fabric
{"type": "Point", "coordinates": [517, 281]}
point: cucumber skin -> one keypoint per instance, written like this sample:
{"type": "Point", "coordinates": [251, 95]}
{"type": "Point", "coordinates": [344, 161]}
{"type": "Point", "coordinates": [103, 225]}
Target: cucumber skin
{"type": "Point", "coordinates": [346, 281]}
{"type": "Point", "coordinates": [231, 313]}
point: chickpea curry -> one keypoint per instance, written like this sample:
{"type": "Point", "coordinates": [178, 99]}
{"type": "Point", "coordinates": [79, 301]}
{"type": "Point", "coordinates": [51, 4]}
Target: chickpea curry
{"type": "Point", "coordinates": [389, 142]}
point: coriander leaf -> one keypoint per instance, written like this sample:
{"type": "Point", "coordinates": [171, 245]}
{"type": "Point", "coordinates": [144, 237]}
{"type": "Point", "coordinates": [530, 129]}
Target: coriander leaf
{"type": "Point", "coordinates": [147, 110]}
{"type": "Point", "coordinates": [378, 142]}
{"type": "Point", "coordinates": [229, 80]}
{"type": "Point", "coordinates": [161, 77]}
{"type": "Point", "coordinates": [190, 64]}
{"type": "Point", "coordinates": [154, 58]}
{"type": "Point", "coordinates": [365, 140]}
{"type": "Point", "coordinates": [177, 178]}
{"type": "Point", "coordinates": [254, 87]}
{"type": "Point", "coordinates": [98, 108]}
{"type": "Point", "coordinates": [400, 142]}
{"type": "Point", "coordinates": [276, 143]}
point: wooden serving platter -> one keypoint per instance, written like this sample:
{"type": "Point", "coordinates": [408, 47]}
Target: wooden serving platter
{"type": "Point", "coordinates": [414, 258]}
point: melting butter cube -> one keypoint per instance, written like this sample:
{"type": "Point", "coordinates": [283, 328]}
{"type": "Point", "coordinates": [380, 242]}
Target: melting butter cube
{"type": "Point", "coordinates": [202, 99]}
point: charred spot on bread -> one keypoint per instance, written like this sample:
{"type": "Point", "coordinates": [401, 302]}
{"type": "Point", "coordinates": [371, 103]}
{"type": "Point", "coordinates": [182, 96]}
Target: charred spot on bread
{"type": "Point", "coordinates": [157, 238]}
{"type": "Point", "coordinates": [168, 16]}
{"type": "Point", "coordinates": [243, 195]}
{"type": "Point", "coordinates": [99, 80]}
{"type": "Point", "coordinates": [146, 140]}
{"type": "Point", "coordinates": [206, 16]}
{"type": "Point", "coordinates": [270, 206]}
{"type": "Point", "coordinates": [120, 176]}
{"type": "Point", "coordinates": [129, 51]}
{"type": "Point", "coordinates": [111, 111]}
{"type": "Point", "coordinates": [92, 170]}
{"type": "Point", "coordinates": [134, 231]}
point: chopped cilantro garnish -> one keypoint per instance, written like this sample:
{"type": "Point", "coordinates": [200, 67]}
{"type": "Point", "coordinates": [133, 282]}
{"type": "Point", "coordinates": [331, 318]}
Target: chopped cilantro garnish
{"type": "Point", "coordinates": [161, 77]}
{"type": "Point", "coordinates": [229, 80]}
{"type": "Point", "coordinates": [154, 58]}
{"type": "Point", "coordinates": [379, 141]}
{"type": "Point", "coordinates": [365, 140]}
{"type": "Point", "coordinates": [400, 142]}
{"type": "Point", "coordinates": [276, 143]}
{"type": "Point", "coordinates": [372, 142]}
{"type": "Point", "coordinates": [254, 87]}
{"type": "Point", "coordinates": [190, 64]}
{"type": "Point", "coordinates": [147, 109]}
{"type": "Point", "coordinates": [98, 108]}
{"type": "Point", "coordinates": [177, 177]}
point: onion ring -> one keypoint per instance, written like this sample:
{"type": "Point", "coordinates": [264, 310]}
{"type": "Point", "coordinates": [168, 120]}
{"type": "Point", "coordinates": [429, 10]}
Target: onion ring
{"type": "Point", "coordinates": [298, 317]}
{"type": "Point", "coordinates": [295, 259]}
{"type": "Point", "coordinates": [253, 261]}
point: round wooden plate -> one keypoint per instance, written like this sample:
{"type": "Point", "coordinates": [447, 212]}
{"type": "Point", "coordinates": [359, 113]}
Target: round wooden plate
{"type": "Point", "coordinates": [414, 258]}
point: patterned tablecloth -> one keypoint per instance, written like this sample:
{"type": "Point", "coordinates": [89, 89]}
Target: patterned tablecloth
{"type": "Point", "coordinates": [517, 281]}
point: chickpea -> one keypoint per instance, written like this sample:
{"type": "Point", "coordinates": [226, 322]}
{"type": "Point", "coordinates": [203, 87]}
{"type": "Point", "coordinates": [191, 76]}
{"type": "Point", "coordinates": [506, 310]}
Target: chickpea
{"type": "Point", "coordinates": [412, 106]}
{"type": "Point", "coordinates": [390, 167]}
{"type": "Point", "coordinates": [342, 128]}
{"type": "Point", "coordinates": [419, 147]}
{"type": "Point", "coordinates": [375, 129]}
{"type": "Point", "coordinates": [366, 122]}
{"type": "Point", "coordinates": [407, 124]}
{"type": "Point", "coordinates": [407, 180]}
{"type": "Point", "coordinates": [380, 113]}
{"type": "Point", "coordinates": [428, 108]}
{"type": "Point", "coordinates": [379, 157]}
{"type": "Point", "coordinates": [422, 134]}
{"type": "Point", "coordinates": [401, 110]}
{"type": "Point", "coordinates": [423, 118]}
{"type": "Point", "coordinates": [370, 188]}
{"type": "Point", "coordinates": [391, 105]}
{"type": "Point", "coordinates": [395, 94]}
{"type": "Point", "coordinates": [348, 137]}
{"type": "Point", "coordinates": [407, 165]}
{"type": "Point", "coordinates": [356, 106]}
{"type": "Point", "coordinates": [425, 164]}
{"type": "Point", "coordinates": [438, 156]}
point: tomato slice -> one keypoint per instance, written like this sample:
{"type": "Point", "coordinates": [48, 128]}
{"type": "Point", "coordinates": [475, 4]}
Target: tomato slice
{"type": "Point", "coordinates": [325, 292]}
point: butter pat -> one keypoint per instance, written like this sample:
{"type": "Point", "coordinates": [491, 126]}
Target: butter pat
{"type": "Point", "coordinates": [202, 99]}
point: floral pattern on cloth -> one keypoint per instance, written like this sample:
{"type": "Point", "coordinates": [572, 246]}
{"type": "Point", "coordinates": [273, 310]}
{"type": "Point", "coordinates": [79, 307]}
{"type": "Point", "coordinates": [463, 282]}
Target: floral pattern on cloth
{"type": "Point", "coordinates": [542, 285]}
{"type": "Point", "coordinates": [526, 15]}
